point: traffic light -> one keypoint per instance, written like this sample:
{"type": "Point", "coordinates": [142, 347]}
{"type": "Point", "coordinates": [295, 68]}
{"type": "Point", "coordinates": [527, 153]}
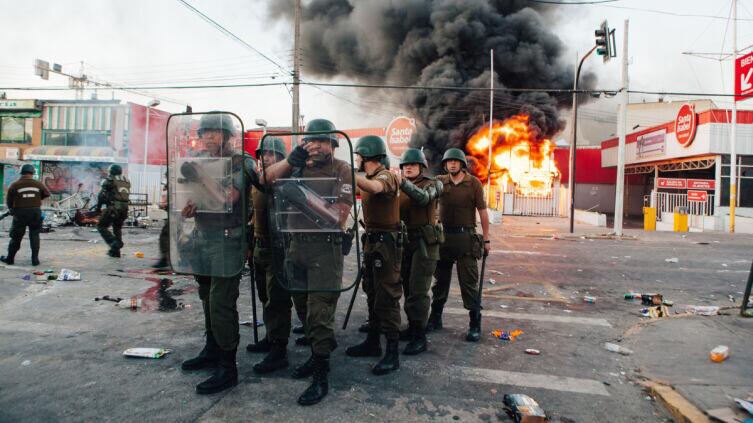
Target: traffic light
{"type": "Point", "coordinates": [604, 40]}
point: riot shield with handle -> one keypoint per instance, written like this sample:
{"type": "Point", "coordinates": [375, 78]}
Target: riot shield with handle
{"type": "Point", "coordinates": [206, 194]}
{"type": "Point", "coordinates": [313, 221]}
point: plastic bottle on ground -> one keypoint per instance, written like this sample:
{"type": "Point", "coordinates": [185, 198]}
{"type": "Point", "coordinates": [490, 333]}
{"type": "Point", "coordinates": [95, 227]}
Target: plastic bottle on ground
{"type": "Point", "coordinates": [719, 354]}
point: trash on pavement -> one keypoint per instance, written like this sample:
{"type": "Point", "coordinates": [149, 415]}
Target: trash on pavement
{"type": "Point", "coordinates": [668, 303]}
{"type": "Point", "coordinates": [48, 270]}
{"type": "Point", "coordinates": [672, 260]}
{"type": "Point", "coordinates": [651, 299]}
{"type": "Point", "coordinates": [69, 275]}
{"type": "Point", "coordinates": [655, 311]}
{"type": "Point", "coordinates": [505, 335]}
{"type": "Point", "coordinates": [719, 354]}
{"type": "Point", "coordinates": [617, 348]}
{"type": "Point", "coordinates": [746, 405]}
{"type": "Point", "coordinates": [146, 352]}
{"type": "Point", "coordinates": [523, 409]}
{"type": "Point", "coordinates": [589, 299]}
{"type": "Point", "coordinates": [532, 351]}
{"type": "Point", "coordinates": [249, 323]}
{"type": "Point", "coordinates": [133, 303]}
{"type": "Point", "coordinates": [139, 254]}
{"type": "Point", "coordinates": [632, 295]}
{"type": "Point", "coordinates": [26, 277]}
{"type": "Point", "coordinates": [702, 310]}
{"type": "Point", "coordinates": [108, 298]}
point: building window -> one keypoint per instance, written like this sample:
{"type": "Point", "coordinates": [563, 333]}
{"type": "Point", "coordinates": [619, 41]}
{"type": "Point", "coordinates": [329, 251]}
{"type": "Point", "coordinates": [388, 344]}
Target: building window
{"type": "Point", "coordinates": [15, 130]}
{"type": "Point", "coordinates": [744, 181]}
{"type": "Point", "coordinates": [78, 138]}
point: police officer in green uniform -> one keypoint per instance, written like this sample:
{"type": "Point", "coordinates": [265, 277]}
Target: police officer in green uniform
{"type": "Point", "coordinates": [382, 254]}
{"type": "Point", "coordinates": [215, 235]}
{"type": "Point", "coordinates": [462, 197]}
{"type": "Point", "coordinates": [24, 199]}
{"type": "Point", "coordinates": [314, 261]}
{"type": "Point", "coordinates": [418, 210]}
{"type": "Point", "coordinates": [278, 300]}
{"type": "Point", "coordinates": [114, 193]}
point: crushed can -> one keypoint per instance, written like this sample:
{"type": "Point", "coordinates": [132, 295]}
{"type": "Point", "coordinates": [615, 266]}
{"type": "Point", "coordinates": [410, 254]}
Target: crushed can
{"type": "Point", "coordinates": [524, 409]}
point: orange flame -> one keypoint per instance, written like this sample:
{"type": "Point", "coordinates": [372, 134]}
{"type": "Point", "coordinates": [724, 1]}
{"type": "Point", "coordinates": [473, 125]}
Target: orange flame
{"type": "Point", "coordinates": [519, 156]}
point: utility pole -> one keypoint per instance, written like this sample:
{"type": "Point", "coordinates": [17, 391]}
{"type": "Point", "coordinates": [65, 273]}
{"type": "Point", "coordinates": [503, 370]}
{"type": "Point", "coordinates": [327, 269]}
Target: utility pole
{"type": "Point", "coordinates": [296, 70]}
{"type": "Point", "coordinates": [490, 200]}
{"type": "Point", "coordinates": [733, 135]}
{"type": "Point", "coordinates": [622, 130]}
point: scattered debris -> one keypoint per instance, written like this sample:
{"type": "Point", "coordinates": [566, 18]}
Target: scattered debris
{"type": "Point", "coordinates": [503, 306]}
{"type": "Point", "coordinates": [617, 348]}
{"type": "Point", "coordinates": [146, 352]}
{"type": "Point", "coordinates": [632, 295]}
{"type": "Point", "coordinates": [523, 409]}
{"type": "Point", "coordinates": [589, 299]}
{"type": "Point", "coordinates": [668, 303]}
{"type": "Point", "coordinates": [26, 363]}
{"type": "Point", "coordinates": [496, 272]}
{"type": "Point", "coordinates": [492, 281]}
{"type": "Point", "coordinates": [139, 254]}
{"type": "Point", "coordinates": [652, 299]}
{"type": "Point", "coordinates": [532, 351]}
{"type": "Point", "coordinates": [655, 311]}
{"type": "Point", "coordinates": [746, 405]}
{"type": "Point", "coordinates": [719, 354]}
{"type": "Point", "coordinates": [702, 243]}
{"type": "Point", "coordinates": [92, 241]}
{"type": "Point", "coordinates": [506, 336]}
{"type": "Point", "coordinates": [26, 277]}
{"type": "Point", "coordinates": [702, 310]}
{"type": "Point", "coordinates": [249, 323]}
{"type": "Point", "coordinates": [731, 298]}
{"type": "Point", "coordinates": [133, 303]}
{"type": "Point", "coordinates": [108, 298]}
{"type": "Point", "coordinates": [672, 260]}
{"type": "Point", "coordinates": [726, 415]}
{"type": "Point", "coordinates": [69, 275]}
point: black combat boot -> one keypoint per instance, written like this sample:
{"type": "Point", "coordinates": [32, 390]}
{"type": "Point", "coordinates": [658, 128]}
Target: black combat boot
{"type": "Point", "coordinates": [161, 264]}
{"type": "Point", "coordinates": [277, 358]}
{"type": "Point", "coordinates": [9, 259]}
{"type": "Point", "coordinates": [364, 328]}
{"type": "Point", "coordinates": [208, 357]}
{"type": "Point", "coordinates": [390, 361]}
{"type": "Point", "coordinates": [474, 327]}
{"type": "Point", "coordinates": [304, 370]}
{"type": "Point", "coordinates": [406, 334]}
{"type": "Point", "coordinates": [35, 259]}
{"type": "Point", "coordinates": [371, 347]}
{"type": "Point", "coordinates": [260, 347]}
{"type": "Point", "coordinates": [418, 344]}
{"type": "Point", "coordinates": [435, 319]}
{"type": "Point", "coordinates": [319, 383]}
{"type": "Point", "coordinates": [114, 252]}
{"type": "Point", "coordinates": [226, 375]}
{"type": "Point", "coordinates": [299, 330]}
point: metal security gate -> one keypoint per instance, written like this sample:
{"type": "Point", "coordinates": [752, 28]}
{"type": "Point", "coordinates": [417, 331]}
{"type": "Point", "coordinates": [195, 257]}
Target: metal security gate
{"type": "Point", "coordinates": [534, 205]}
{"type": "Point", "coordinates": [666, 202]}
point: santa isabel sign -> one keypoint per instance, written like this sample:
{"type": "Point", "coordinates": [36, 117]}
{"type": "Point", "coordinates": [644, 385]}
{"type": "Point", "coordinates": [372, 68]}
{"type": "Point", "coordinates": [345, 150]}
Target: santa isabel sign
{"type": "Point", "coordinates": [399, 133]}
{"type": "Point", "coordinates": [685, 124]}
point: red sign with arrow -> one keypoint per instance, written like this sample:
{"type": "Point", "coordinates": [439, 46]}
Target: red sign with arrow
{"type": "Point", "coordinates": [744, 77]}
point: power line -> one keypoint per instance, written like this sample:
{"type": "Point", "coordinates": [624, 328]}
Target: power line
{"type": "Point", "coordinates": [572, 3]}
{"type": "Point", "coordinates": [230, 34]}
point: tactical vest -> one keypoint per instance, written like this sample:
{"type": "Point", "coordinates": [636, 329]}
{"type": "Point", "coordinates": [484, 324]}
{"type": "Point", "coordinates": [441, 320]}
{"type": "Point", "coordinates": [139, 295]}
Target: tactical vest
{"type": "Point", "coordinates": [457, 205]}
{"type": "Point", "coordinates": [27, 193]}
{"type": "Point", "coordinates": [121, 188]}
{"type": "Point", "coordinates": [414, 215]}
{"type": "Point", "coordinates": [381, 212]}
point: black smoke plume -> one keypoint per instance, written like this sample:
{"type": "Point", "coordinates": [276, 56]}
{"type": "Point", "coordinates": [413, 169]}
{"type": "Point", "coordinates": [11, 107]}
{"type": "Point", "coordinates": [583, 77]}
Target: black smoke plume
{"type": "Point", "coordinates": [441, 43]}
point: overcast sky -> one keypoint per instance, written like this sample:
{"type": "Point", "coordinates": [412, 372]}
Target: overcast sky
{"type": "Point", "coordinates": [161, 42]}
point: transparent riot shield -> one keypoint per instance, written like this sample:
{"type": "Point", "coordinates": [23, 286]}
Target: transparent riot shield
{"type": "Point", "coordinates": [206, 194]}
{"type": "Point", "coordinates": [312, 218]}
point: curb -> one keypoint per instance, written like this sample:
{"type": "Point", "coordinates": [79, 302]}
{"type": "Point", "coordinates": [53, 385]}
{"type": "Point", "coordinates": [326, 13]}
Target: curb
{"type": "Point", "coordinates": [681, 410]}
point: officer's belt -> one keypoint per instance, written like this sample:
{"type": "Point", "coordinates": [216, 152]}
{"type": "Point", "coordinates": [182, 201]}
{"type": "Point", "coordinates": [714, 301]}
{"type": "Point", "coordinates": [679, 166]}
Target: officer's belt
{"type": "Point", "coordinates": [211, 233]}
{"type": "Point", "coordinates": [314, 237]}
{"type": "Point", "coordinates": [375, 236]}
{"type": "Point", "coordinates": [459, 229]}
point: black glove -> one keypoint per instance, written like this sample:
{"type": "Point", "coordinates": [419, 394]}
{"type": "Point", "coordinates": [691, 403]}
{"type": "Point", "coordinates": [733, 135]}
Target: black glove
{"type": "Point", "coordinates": [297, 157]}
{"type": "Point", "coordinates": [188, 170]}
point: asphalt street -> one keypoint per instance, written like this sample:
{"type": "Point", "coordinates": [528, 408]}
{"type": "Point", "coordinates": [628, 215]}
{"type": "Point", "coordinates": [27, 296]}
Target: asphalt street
{"type": "Point", "coordinates": [61, 352]}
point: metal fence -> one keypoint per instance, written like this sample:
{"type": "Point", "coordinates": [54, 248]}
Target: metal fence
{"type": "Point", "coordinates": [538, 205]}
{"type": "Point", "coordinates": [667, 202]}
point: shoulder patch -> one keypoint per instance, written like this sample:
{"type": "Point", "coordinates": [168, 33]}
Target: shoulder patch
{"type": "Point", "coordinates": [346, 189]}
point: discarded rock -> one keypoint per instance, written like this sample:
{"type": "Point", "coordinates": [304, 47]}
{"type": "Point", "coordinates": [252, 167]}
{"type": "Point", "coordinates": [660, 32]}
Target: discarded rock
{"type": "Point", "coordinates": [617, 348]}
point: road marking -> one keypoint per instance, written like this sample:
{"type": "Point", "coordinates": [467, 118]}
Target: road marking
{"type": "Point", "coordinates": [536, 317]}
{"type": "Point", "coordinates": [530, 380]}
{"type": "Point", "coordinates": [39, 328]}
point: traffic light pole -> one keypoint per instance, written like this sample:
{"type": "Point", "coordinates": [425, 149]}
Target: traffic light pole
{"type": "Point", "coordinates": [574, 141]}
{"type": "Point", "coordinates": [622, 130]}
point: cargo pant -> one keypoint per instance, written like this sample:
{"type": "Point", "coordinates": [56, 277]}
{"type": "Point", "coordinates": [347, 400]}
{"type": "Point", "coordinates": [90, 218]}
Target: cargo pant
{"type": "Point", "coordinates": [418, 266]}
{"type": "Point", "coordinates": [22, 218]}
{"type": "Point", "coordinates": [381, 283]}
{"type": "Point", "coordinates": [277, 300]}
{"type": "Point", "coordinates": [219, 294]}
{"type": "Point", "coordinates": [315, 264]}
{"type": "Point", "coordinates": [457, 248]}
{"type": "Point", "coordinates": [112, 216]}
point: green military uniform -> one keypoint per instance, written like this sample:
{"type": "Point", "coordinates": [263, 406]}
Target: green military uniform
{"type": "Point", "coordinates": [24, 200]}
{"type": "Point", "coordinates": [418, 210]}
{"type": "Point", "coordinates": [457, 212]}
{"type": "Point", "coordinates": [114, 193]}
{"type": "Point", "coordinates": [381, 259]}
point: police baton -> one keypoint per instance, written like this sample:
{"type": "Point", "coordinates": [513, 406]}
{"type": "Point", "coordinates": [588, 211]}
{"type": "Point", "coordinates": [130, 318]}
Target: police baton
{"type": "Point", "coordinates": [353, 298]}
{"type": "Point", "coordinates": [481, 279]}
{"type": "Point", "coordinates": [252, 279]}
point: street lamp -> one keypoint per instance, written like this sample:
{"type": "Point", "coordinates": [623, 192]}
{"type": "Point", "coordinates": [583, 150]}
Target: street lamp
{"type": "Point", "coordinates": [153, 103]}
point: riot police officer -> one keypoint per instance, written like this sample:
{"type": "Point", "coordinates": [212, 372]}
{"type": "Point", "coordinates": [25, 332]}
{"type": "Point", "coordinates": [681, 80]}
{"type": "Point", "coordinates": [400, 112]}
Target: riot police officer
{"type": "Point", "coordinates": [277, 304]}
{"type": "Point", "coordinates": [218, 240]}
{"type": "Point", "coordinates": [114, 193]}
{"type": "Point", "coordinates": [418, 210]}
{"type": "Point", "coordinates": [24, 199]}
{"type": "Point", "coordinates": [462, 197]}
{"type": "Point", "coordinates": [314, 259]}
{"type": "Point", "coordinates": [382, 254]}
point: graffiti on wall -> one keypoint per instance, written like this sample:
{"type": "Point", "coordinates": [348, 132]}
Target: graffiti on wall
{"type": "Point", "coordinates": [66, 178]}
